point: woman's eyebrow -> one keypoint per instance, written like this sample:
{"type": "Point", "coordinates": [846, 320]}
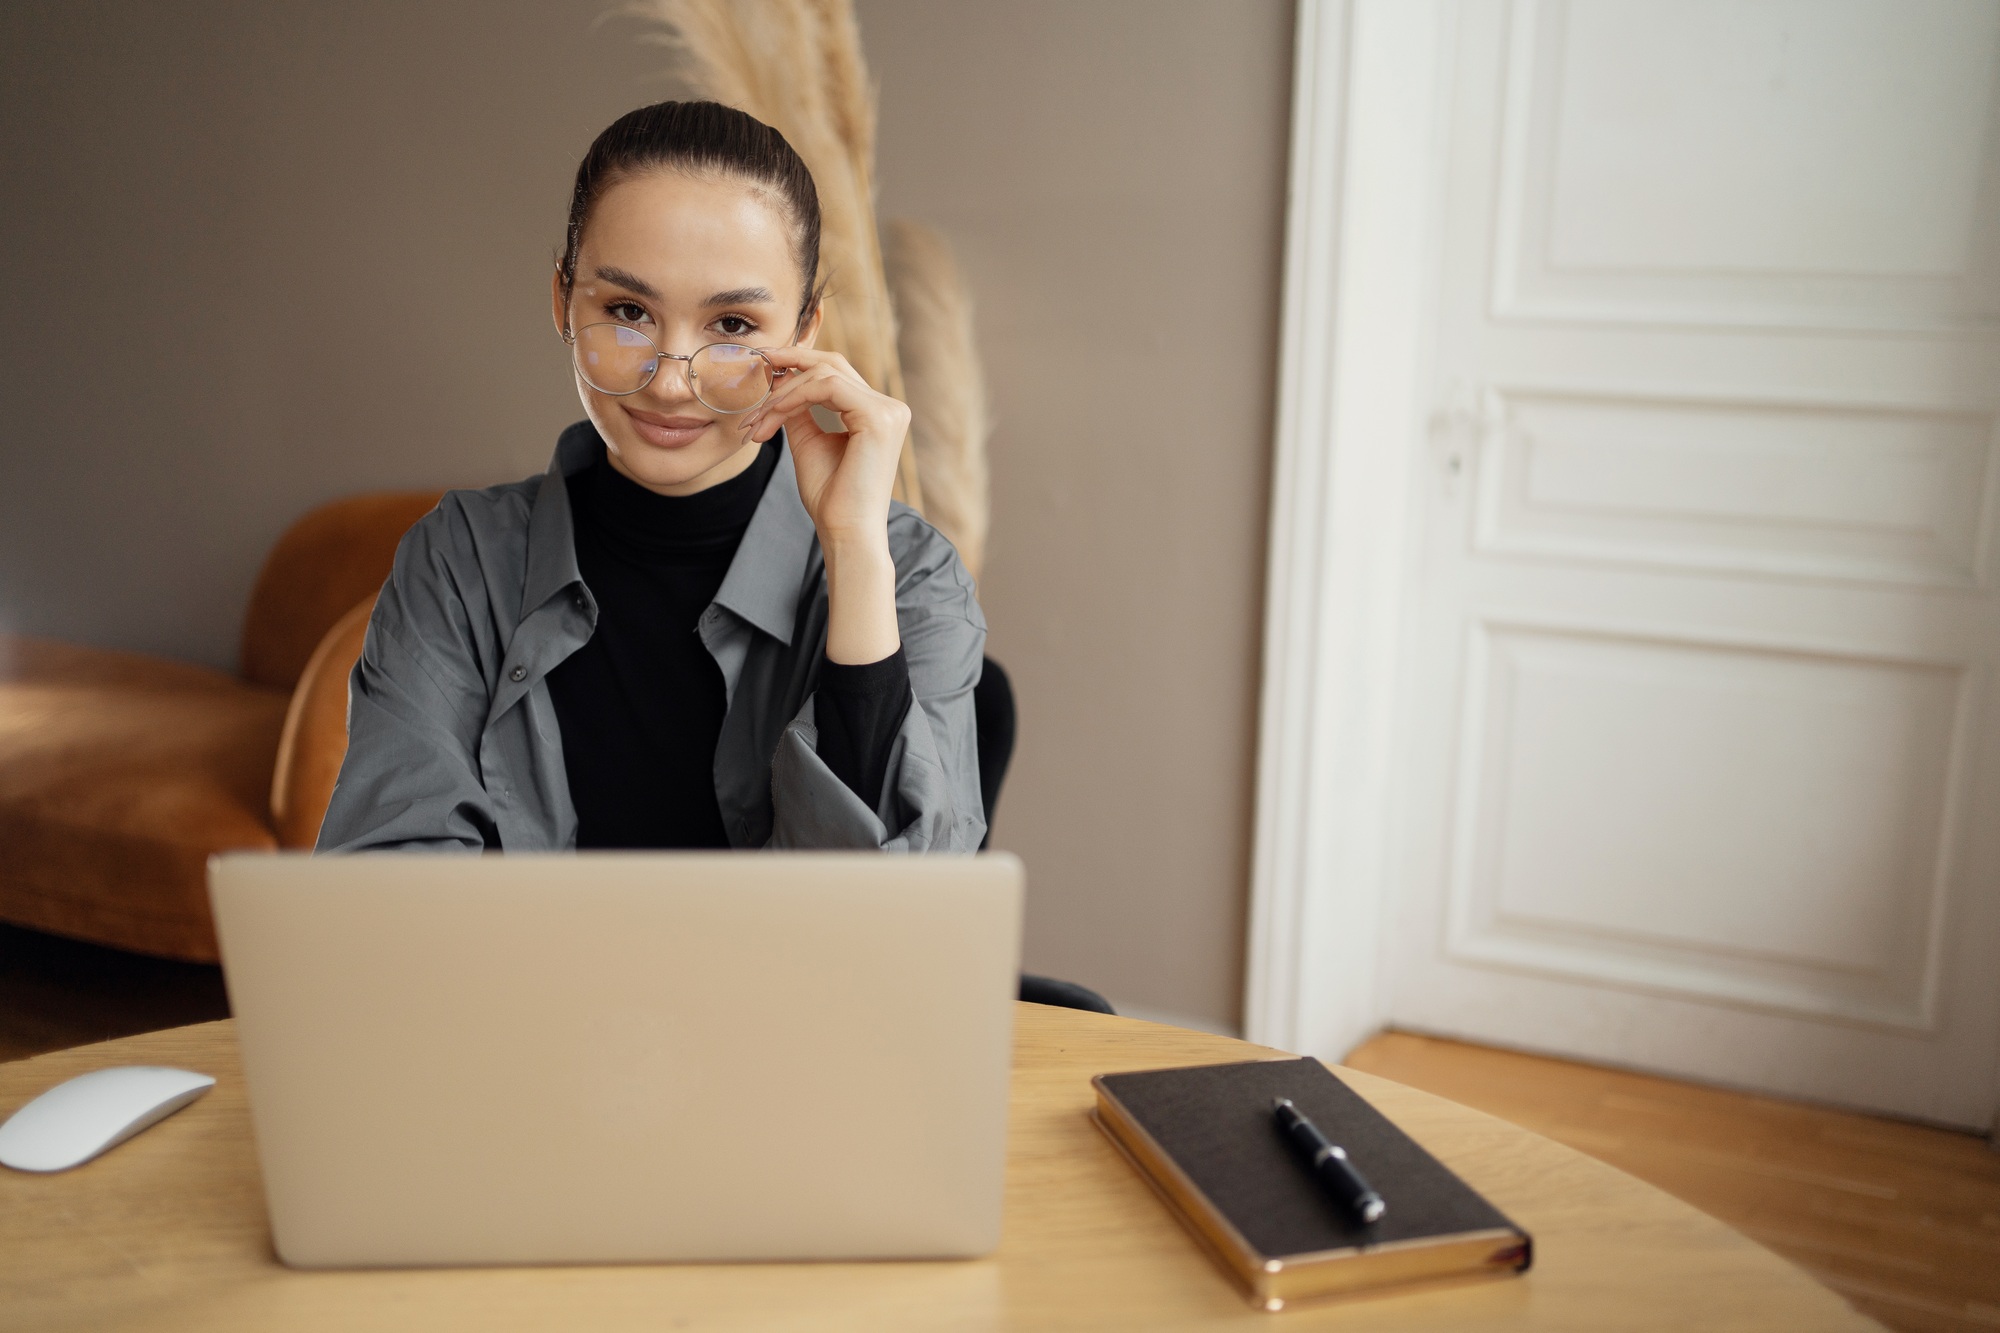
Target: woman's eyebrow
{"type": "Point", "coordinates": [629, 281]}
{"type": "Point", "coordinates": [740, 296]}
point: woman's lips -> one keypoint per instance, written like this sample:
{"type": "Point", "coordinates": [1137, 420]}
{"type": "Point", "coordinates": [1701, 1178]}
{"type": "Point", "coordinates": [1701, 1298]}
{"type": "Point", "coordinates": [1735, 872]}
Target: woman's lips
{"type": "Point", "coordinates": [667, 432]}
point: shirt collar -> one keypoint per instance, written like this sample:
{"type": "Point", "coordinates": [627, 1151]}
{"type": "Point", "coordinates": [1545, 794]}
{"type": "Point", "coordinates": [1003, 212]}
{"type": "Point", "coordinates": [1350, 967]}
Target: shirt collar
{"type": "Point", "coordinates": [768, 575]}
{"type": "Point", "coordinates": [765, 578]}
{"type": "Point", "coordinates": [551, 531]}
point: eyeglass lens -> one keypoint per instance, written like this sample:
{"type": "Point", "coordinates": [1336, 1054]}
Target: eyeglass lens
{"type": "Point", "coordinates": [729, 377]}
{"type": "Point", "coordinates": [617, 359]}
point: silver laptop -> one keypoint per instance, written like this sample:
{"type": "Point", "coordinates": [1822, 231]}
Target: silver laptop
{"type": "Point", "coordinates": [612, 1057]}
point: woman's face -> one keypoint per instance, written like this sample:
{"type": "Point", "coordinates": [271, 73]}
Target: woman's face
{"type": "Point", "coordinates": [688, 261]}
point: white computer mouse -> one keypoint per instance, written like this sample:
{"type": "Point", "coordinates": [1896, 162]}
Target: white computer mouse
{"type": "Point", "coordinates": [75, 1121]}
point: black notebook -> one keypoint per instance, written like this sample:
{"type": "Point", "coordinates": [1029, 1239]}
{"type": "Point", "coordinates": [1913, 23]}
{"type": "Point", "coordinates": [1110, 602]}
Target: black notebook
{"type": "Point", "coordinates": [1206, 1139]}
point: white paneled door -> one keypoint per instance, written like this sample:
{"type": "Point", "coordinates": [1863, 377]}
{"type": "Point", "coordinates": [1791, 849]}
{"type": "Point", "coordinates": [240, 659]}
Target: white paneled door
{"type": "Point", "coordinates": [1698, 735]}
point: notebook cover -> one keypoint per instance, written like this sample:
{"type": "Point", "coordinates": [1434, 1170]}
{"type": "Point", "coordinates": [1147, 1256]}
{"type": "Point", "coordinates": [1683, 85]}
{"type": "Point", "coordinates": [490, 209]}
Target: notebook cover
{"type": "Point", "coordinates": [1213, 1124]}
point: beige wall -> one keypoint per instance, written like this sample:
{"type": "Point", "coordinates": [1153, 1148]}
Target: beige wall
{"type": "Point", "coordinates": [262, 254]}
{"type": "Point", "coordinates": [259, 255]}
{"type": "Point", "coordinates": [1112, 174]}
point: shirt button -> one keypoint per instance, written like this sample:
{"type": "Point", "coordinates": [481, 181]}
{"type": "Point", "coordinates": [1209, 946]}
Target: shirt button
{"type": "Point", "coordinates": [519, 673]}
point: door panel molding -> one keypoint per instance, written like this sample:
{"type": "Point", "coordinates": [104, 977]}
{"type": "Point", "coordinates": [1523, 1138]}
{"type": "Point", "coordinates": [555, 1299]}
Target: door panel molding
{"type": "Point", "coordinates": [1814, 488]}
{"type": "Point", "coordinates": [1559, 164]}
{"type": "Point", "coordinates": [1664, 719]}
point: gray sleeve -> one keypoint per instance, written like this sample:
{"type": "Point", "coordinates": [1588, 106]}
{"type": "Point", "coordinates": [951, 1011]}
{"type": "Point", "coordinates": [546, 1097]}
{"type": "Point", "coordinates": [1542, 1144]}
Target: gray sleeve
{"type": "Point", "coordinates": [930, 796]}
{"type": "Point", "coordinates": [416, 705]}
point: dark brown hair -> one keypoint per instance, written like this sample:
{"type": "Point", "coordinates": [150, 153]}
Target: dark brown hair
{"type": "Point", "coordinates": [702, 138]}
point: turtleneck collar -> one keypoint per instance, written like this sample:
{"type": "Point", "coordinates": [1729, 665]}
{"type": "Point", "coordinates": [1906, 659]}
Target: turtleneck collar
{"type": "Point", "coordinates": [764, 582]}
{"type": "Point", "coordinates": [651, 526]}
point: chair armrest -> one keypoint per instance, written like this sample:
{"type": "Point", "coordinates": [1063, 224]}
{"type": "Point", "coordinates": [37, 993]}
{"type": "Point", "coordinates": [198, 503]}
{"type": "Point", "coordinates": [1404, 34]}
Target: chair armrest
{"type": "Point", "coordinates": [324, 562]}
{"type": "Point", "coordinates": [314, 740]}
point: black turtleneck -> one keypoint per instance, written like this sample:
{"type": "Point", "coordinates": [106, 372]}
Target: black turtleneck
{"type": "Point", "coordinates": [641, 703]}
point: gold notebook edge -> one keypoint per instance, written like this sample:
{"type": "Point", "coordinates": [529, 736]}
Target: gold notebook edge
{"type": "Point", "coordinates": [1195, 1214]}
{"type": "Point", "coordinates": [1272, 1281]}
{"type": "Point", "coordinates": [1379, 1270]}
{"type": "Point", "coordinates": [1314, 1257]}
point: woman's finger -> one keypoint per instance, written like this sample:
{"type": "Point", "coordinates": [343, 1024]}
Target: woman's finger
{"type": "Point", "coordinates": [825, 386]}
{"type": "Point", "coordinates": [788, 402]}
{"type": "Point", "coordinates": [797, 363]}
{"type": "Point", "coordinates": [791, 358]}
{"type": "Point", "coordinates": [822, 373]}
{"type": "Point", "coordinates": [786, 392]}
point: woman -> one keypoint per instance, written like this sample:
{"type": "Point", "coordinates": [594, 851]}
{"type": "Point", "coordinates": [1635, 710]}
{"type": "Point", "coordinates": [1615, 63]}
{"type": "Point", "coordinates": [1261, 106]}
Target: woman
{"type": "Point", "coordinates": [706, 625]}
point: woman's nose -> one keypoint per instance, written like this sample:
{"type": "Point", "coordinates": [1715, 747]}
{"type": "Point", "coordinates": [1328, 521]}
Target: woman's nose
{"type": "Point", "coordinates": [670, 384]}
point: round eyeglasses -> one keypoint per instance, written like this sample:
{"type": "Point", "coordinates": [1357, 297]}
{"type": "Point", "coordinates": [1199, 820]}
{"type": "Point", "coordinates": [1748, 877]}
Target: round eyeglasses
{"type": "Point", "coordinates": [618, 359]}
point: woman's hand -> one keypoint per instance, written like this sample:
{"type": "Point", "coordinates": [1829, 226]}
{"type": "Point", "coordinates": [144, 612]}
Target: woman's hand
{"type": "Point", "coordinates": [845, 479]}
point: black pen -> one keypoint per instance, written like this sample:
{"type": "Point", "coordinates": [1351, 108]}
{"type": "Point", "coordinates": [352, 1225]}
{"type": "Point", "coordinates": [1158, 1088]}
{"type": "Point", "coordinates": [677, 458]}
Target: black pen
{"type": "Point", "coordinates": [1329, 1163]}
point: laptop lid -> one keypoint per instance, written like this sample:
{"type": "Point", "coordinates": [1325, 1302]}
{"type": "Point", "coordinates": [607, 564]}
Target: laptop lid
{"type": "Point", "coordinates": [624, 1057]}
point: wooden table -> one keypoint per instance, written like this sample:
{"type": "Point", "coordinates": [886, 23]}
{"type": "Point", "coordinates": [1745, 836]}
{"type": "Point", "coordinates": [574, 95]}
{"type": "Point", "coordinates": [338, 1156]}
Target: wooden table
{"type": "Point", "coordinates": [168, 1232]}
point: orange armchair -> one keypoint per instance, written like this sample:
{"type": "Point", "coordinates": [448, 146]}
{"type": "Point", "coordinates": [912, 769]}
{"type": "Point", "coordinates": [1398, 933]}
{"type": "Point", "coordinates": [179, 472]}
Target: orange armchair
{"type": "Point", "coordinates": [120, 774]}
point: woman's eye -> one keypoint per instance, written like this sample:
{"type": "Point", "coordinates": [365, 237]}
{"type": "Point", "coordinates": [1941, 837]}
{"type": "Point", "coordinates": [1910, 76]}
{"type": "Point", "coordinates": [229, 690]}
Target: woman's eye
{"type": "Point", "coordinates": [734, 326]}
{"type": "Point", "coordinates": [626, 312]}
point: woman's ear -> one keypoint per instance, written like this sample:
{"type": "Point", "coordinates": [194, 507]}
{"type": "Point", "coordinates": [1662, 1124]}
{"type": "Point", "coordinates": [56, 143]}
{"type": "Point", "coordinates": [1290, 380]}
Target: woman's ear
{"type": "Point", "coordinates": [556, 302]}
{"type": "Point", "coordinates": [810, 329]}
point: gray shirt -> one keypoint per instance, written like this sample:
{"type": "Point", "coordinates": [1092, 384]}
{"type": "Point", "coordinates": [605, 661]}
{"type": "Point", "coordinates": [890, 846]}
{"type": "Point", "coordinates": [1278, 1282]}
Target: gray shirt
{"type": "Point", "coordinates": [452, 736]}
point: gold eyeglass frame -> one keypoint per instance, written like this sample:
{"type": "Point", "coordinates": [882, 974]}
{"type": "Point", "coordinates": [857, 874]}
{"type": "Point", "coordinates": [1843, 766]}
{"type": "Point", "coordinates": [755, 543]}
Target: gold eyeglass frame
{"type": "Point", "coordinates": [775, 373]}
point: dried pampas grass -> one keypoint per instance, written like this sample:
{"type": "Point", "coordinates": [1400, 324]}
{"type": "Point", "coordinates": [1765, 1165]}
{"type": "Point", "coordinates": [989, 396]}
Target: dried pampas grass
{"type": "Point", "coordinates": [796, 65]}
{"type": "Point", "coordinates": [947, 393]}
